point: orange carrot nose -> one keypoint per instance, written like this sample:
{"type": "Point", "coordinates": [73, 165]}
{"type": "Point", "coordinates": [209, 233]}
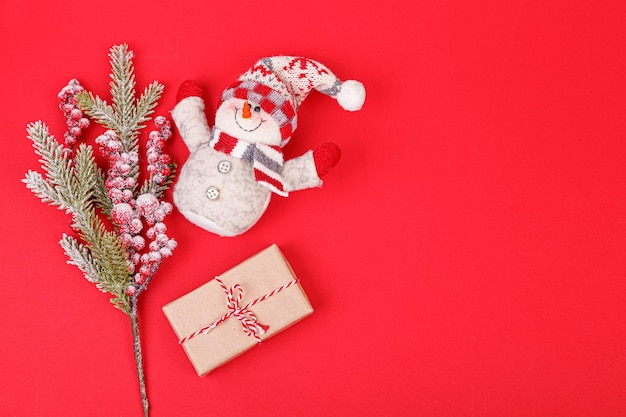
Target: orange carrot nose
{"type": "Point", "coordinates": [245, 112]}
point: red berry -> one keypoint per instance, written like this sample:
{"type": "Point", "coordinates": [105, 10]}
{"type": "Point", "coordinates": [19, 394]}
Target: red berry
{"type": "Point", "coordinates": [161, 239]}
{"type": "Point", "coordinates": [133, 156]}
{"type": "Point", "coordinates": [159, 215]}
{"type": "Point", "coordinates": [68, 153]}
{"type": "Point", "coordinates": [127, 195]}
{"type": "Point", "coordinates": [76, 114]}
{"type": "Point", "coordinates": [160, 227]}
{"type": "Point", "coordinates": [138, 243]}
{"type": "Point", "coordinates": [130, 182]}
{"type": "Point", "coordinates": [116, 182]}
{"type": "Point", "coordinates": [135, 226]}
{"type": "Point", "coordinates": [114, 145]}
{"type": "Point", "coordinates": [171, 244]}
{"type": "Point", "coordinates": [122, 213]}
{"type": "Point", "coordinates": [159, 121]}
{"type": "Point", "coordinates": [124, 169]}
{"type": "Point", "coordinates": [165, 252]}
{"type": "Point", "coordinates": [154, 257]}
{"type": "Point", "coordinates": [83, 123]}
{"type": "Point", "coordinates": [115, 195]}
{"type": "Point", "coordinates": [167, 207]}
{"type": "Point", "coordinates": [166, 132]}
{"type": "Point", "coordinates": [159, 142]}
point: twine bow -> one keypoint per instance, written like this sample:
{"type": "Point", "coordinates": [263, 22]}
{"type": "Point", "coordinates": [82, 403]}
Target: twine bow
{"type": "Point", "coordinates": [249, 321]}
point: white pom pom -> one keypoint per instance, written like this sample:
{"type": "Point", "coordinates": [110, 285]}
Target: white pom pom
{"type": "Point", "coordinates": [352, 95]}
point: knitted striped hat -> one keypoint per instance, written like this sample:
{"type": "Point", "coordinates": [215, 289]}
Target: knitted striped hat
{"type": "Point", "coordinates": [280, 84]}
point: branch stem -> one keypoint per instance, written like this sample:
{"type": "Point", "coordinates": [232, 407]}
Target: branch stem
{"type": "Point", "coordinates": [134, 322]}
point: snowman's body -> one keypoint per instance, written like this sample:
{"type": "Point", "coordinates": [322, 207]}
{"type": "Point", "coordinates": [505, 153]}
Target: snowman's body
{"type": "Point", "coordinates": [234, 168]}
{"type": "Point", "coordinates": [217, 191]}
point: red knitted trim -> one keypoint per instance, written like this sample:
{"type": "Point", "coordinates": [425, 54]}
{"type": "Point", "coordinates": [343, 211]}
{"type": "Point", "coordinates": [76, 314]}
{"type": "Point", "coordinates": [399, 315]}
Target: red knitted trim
{"type": "Point", "coordinates": [188, 88]}
{"type": "Point", "coordinates": [260, 176]}
{"type": "Point", "coordinates": [326, 156]}
{"type": "Point", "coordinates": [286, 131]}
{"type": "Point", "coordinates": [226, 144]}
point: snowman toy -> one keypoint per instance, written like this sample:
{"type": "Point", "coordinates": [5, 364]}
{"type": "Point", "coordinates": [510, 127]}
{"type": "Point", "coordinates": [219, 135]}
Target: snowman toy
{"type": "Point", "coordinates": [233, 168]}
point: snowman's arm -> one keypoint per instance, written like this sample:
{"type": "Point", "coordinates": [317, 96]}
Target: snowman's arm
{"type": "Point", "coordinates": [191, 121]}
{"type": "Point", "coordinates": [300, 173]}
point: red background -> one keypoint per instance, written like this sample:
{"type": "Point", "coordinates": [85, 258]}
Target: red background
{"type": "Point", "coordinates": [467, 257]}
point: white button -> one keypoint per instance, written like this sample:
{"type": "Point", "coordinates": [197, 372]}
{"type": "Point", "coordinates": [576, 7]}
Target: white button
{"type": "Point", "coordinates": [224, 167]}
{"type": "Point", "coordinates": [213, 193]}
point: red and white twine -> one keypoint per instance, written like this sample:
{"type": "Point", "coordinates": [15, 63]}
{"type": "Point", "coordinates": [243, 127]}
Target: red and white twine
{"type": "Point", "coordinates": [249, 321]}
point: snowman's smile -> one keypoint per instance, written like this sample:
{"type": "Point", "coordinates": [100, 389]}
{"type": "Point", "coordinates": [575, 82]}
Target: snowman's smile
{"type": "Point", "coordinates": [251, 127]}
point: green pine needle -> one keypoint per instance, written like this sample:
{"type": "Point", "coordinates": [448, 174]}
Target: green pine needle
{"type": "Point", "coordinates": [127, 114]}
{"type": "Point", "coordinates": [80, 256]}
{"type": "Point", "coordinates": [72, 188]}
{"type": "Point", "coordinates": [98, 110]}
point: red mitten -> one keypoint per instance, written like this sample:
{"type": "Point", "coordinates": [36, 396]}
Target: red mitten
{"type": "Point", "coordinates": [326, 156]}
{"type": "Point", "coordinates": [188, 88]}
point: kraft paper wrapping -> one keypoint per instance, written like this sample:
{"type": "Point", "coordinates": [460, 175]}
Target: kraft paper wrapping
{"type": "Point", "coordinates": [259, 275]}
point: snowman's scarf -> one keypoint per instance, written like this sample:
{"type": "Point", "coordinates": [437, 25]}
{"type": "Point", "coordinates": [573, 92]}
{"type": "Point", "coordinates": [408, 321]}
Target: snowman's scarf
{"type": "Point", "coordinates": [267, 160]}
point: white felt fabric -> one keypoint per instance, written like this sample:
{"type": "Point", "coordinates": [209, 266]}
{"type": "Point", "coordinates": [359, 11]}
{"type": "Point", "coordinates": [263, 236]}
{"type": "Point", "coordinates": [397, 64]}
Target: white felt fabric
{"type": "Point", "coordinates": [191, 122]}
{"type": "Point", "coordinates": [352, 95]}
{"type": "Point", "coordinates": [242, 200]}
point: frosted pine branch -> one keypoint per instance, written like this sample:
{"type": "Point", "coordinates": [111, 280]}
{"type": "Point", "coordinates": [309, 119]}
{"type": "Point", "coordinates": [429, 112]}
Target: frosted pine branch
{"type": "Point", "coordinates": [67, 186]}
{"type": "Point", "coordinates": [81, 257]}
{"type": "Point", "coordinates": [123, 91]}
{"type": "Point", "coordinates": [121, 235]}
{"type": "Point", "coordinates": [98, 109]}
{"type": "Point", "coordinates": [71, 188]}
{"type": "Point", "coordinates": [147, 102]}
{"type": "Point", "coordinates": [57, 168]}
{"type": "Point", "coordinates": [42, 189]}
{"type": "Point", "coordinates": [87, 175]}
{"type": "Point", "coordinates": [101, 198]}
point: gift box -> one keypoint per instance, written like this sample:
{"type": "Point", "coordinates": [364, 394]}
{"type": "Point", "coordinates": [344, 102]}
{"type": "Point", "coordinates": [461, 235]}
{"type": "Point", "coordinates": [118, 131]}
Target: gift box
{"type": "Point", "coordinates": [238, 309]}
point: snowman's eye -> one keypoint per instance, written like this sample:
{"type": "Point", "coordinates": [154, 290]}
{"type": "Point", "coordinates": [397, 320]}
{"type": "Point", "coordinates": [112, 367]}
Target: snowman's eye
{"type": "Point", "coordinates": [257, 109]}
